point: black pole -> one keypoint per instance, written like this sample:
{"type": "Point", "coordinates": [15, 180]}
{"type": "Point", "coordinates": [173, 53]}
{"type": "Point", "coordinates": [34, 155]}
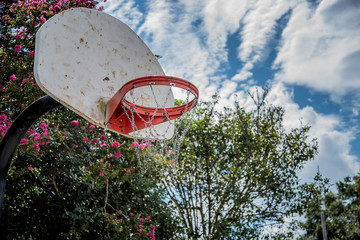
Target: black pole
{"type": "Point", "coordinates": [16, 132]}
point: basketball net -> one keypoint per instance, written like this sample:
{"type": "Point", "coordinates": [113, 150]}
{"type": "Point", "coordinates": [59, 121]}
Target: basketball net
{"type": "Point", "coordinates": [152, 147]}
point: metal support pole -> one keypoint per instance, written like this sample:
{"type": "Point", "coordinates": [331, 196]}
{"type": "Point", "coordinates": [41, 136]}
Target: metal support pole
{"type": "Point", "coordinates": [323, 225]}
{"type": "Point", "coordinates": [16, 132]}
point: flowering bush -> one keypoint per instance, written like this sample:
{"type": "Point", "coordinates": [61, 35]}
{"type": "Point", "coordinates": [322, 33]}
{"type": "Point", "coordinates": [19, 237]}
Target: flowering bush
{"type": "Point", "coordinates": [67, 178]}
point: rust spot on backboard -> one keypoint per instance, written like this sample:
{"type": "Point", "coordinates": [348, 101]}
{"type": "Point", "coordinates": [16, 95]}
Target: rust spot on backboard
{"type": "Point", "coordinates": [113, 73]}
{"type": "Point", "coordinates": [115, 50]}
{"type": "Point", "coordinates": [82, 92]}
{"type": "Point", "coordinates": [106, 79]}
{"type": "Point", "coordinates": [81, 40]}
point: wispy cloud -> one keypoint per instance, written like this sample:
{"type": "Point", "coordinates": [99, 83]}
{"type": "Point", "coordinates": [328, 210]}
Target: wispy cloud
{"type": "Point", "coordinates": [321, 47]}
{"type": "Point", "coordinates": [125, 10]}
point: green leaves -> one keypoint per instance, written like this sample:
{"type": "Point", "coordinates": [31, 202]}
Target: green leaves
{"type": "Point", "coordinates": [238, 172]}
{"type": "Point", "coordinates": [341, 210]}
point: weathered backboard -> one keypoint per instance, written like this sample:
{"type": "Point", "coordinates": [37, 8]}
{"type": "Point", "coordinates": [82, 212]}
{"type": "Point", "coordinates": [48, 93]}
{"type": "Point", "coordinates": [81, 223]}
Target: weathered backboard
{"type": "Point", "coordinates": [83, 57]}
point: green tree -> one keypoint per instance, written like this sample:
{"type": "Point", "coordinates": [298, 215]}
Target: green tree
{"type": "Point", "coordinates": [341, 211]}
{"type": "Point", "coordinates": [68, 179]}
{"type": "Point", "coordinates": [238, 172]}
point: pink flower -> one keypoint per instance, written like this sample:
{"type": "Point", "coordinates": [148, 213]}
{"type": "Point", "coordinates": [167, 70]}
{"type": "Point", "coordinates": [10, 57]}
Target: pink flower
{"type": "Point", "coordinates": [57, 8]}
{"type": "Point", "coordinates": [101, 174]}
{"type": "Point", "coordinates": [75, 146]}
{"type": "Point", "coordinates": [141, 226]}
{"type": "Point", "coordinates": [43, 125]}
{"type": "Point", "coordinates": [102, 138]}
{"type": "Point", "coordinates": [115, 144]}
{"type": "Point", "coordinates": [138, 233]}
{"type": "Point", "coordinates": [75, 123]}
{"type": "Point", "coordinates": [134, 144]}
{"type": "Point", "coordinates": [106, 226]}
{"type": "Point", "coordinates": [30, 168]}
{"type": "Point", "coordinates": [43, 19]}
{"type": "Point", "coordinates": [131, 214]}
{"type": "Point", "coordinates": [22, 105]}
{"type": "Point", "coordinates": [12, 77]}
{"type": "Point", "coordinates": [36, 136]}
{"type": "Point", "coordinates": [144, 145]}
{"type": "Point", "coordinates": [3, 90]}
{"type": "Point", "coordinates": [24, 80]}
{"type": "Point", "coordinates": [31, 53]}
{"type": "Point", "coordinates": [124, 169]}
{"type": "Point", "coordinates": [36, 146]}
{"type": "Point", "coordinates": [117, 155]}
{"type": "Point", "coordinates": [24, 140]}
{"type": "Point", "coordinates": [91, 126]}
{"type": "Point", "coordinates": [142, 220]}
{"type": "Point", "coordinates": [17, 48]}
{"type": "Point", "coordinates": [85, 140]}
{"type": "Point", "coordinates": [148, 218]}
{"type": "Point", "coordinates": [128, 171]}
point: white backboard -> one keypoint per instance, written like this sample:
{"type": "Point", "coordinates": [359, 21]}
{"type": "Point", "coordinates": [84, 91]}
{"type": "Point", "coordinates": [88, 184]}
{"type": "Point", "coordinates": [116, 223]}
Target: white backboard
{"type": "Point", "coordinates": [84, 56]}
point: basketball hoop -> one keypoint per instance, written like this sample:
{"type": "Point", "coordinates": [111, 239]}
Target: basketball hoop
{"type": "Point", "coordinates": [126, 116]}
{"type": "Point", "coordinates": [119, 108]}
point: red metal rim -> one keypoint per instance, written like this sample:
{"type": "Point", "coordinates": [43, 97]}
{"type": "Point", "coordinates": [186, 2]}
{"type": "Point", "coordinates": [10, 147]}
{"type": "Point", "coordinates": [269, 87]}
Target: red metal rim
{"type": "Point", "coordinates": [172, 112]}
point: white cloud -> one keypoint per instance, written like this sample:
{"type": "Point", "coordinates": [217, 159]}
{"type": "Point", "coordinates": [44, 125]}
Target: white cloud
{"type": "Point", "coordinates": [222, 18]}
{"type": "Point", "coordinates": [124, 10]}
{"type": "Point", "coordinates": [258, 29]}
{"type": "Point", "coordinates": [321, 47]}
{"type": "Point", "coordinates": [259, 26]}
{"type": "Point", "coordinates": [334, 159]}
{"type": "Point", "coordinates": [182, 52]}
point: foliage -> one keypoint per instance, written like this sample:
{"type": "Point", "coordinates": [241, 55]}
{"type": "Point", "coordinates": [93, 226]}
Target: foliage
{"type": "Point", "coordinates": [237, 172]}
{"type": "Point", "coordinates": [68, 179]}
{"type": "Point", "coordinates": [341, 211]}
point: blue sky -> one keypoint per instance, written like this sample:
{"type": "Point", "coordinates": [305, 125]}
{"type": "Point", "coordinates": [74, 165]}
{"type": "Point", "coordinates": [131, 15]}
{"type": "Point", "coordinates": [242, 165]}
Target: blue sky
{"type": "Point", "coordinates": [309, 51]}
